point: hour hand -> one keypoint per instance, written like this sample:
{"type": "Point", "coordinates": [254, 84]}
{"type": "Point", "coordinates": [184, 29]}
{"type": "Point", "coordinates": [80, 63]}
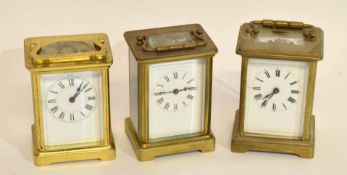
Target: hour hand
{"type": "Point", "coordinates": [188, 89]}
{"type": "Point", "coordinates": [161, 93]}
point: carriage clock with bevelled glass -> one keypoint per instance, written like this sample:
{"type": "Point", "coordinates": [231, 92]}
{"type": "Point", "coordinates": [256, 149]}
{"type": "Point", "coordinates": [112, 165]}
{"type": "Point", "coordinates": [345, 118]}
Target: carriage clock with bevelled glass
{"type": "Point", "coordinates": [279, 62]}
{"type": "Point", "coordinates": [70, 85]}
{"type": "Point", "coordinates": [170, 72]}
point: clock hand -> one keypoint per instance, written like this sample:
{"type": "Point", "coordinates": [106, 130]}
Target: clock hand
{"type": "Point", "coordinates": [187, 89]}
{"type": "Point", "coordinates": [78, 91]}
{"type": "Point", "coordinates": [269, 96]}
{"type": "Point", "coordinates": [175, 91]}
{"type": "Point", "coordinates": [162, 93]}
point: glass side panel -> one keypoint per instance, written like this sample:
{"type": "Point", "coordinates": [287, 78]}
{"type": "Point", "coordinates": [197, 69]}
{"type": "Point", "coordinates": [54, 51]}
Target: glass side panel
{"type": "Point", "coordinates": [134, 91]}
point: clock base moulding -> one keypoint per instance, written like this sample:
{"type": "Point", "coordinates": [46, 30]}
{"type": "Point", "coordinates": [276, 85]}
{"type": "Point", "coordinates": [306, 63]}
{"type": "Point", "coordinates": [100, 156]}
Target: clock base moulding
{"type": "Point", "coordinates": [146, 152]}
{"type": "Point", "coordinates": [42, 158]}
{"type": "Point", "coordinates": [241, 144]}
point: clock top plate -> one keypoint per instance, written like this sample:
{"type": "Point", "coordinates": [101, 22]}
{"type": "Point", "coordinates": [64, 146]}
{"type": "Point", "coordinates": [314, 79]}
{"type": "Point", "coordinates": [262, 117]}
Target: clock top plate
{"type": "Point", "coordinates": [174, 41]}
{"type": "Point", "coordinates": [292, 40]}
{"type": "Point", "coordinates": [67, 50]}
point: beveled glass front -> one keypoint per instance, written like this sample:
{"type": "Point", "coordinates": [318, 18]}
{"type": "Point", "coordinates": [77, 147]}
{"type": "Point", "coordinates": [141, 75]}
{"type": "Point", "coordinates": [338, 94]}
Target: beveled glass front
{"type": "Point", "coordinates": [176, 99]}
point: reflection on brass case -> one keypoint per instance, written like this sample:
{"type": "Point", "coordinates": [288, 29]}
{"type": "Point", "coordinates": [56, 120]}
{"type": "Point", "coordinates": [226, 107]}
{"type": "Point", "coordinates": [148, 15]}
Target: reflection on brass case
{"type": "Point", "coordinates": [144, 54]}
{"type": "Point", "coordinates": [309, 49]}
{"type": "Point", "coordinates": [71, 53]}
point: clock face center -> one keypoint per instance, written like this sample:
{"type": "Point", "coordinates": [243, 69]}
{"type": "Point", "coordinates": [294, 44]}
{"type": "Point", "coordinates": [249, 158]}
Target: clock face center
{"type": "Point", "coordinates": [276, 90]}
{"type": "Point", "coordinates": [71, 99]}
{"type": "Point", "coordinates": [175, 91]}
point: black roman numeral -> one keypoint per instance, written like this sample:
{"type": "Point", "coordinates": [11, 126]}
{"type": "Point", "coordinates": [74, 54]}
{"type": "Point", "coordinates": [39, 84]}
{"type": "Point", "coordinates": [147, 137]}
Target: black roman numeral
{"type": "Point", "coordinates": [285, 107]}
{"type": "Point", "coordinates": [287, 75]}
{"type": "Point", "coordinates": [294, 82]}
{"type": "Point", "coordinates": [267, 73]}
{"type": "Point", "coordinates": [257, 97]}
{"type": "Point", "coordinates": [190, 81]}
{"type": "Point", "coordinates": [167, 106]}
{"type": "Point", "coordinates": [160, 85]}
{"type": "Point", "coordinates": [256, 88]}
{"type": "Point", "coordinates": [259, 79]}
{"type": "Point", "coordinates": [82, 114]}
{"type": "Point", "coordinates": [166, 78]}
{"type": "Point", "coordinates": [160, 101]}
{"type": "Point", "coordinates": [54, 109]}
{"type": "Point", "coordinates": [62, 115]}
{"type": "Point", "coordinates": [54, 92]}
{"type": "Point", "coordinates": [52, 101]}
{"type": "Point", "coordinates": [61, 85]}
{"type": "Point", "coordinates": [91, 98]}
{"type": "Point", "coordinates": [294, 91]}
{"type": "Point", "coordinates": [190, 97]}
{"type": "Point", "coordinates": [292, 100]}
{"type": "Point", "coordinates": [175, 107]}
{"type": "Point", "coordinates": [278, 73]}
{"type": "Point", "coordinates": [175, 74]}
{"type": "Point", "coordinates": [184, 103]}
{"type": "Point", "coordinates": [89, 107]}
{"type": "Point", "coordinates": [273, 106]}
{"type": "Point", "coordinates": [71, 82]}
{"type": "Point", "coordinates": [183, 76]}
{"type": "Point", "coordinates": [72, 117]}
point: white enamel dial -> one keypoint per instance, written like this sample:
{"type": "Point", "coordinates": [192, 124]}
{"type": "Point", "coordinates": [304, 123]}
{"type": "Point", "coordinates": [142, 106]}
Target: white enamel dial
{"type": "Point", "coordinates": [176, 98]}
{"type": "Point", "coordinates": [72, 107]}
{"type": "Point", "coordinates": [175, 91]}
{"type": "Point", "coordinates": [276, 89]}
{"type": "Point", "coordinates": [71, 99]}
{"type": "Point", "coordinates": [275, 97]}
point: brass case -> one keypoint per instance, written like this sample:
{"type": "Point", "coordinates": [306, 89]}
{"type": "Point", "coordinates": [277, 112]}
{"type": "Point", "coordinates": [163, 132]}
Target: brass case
{"type": "Point", "coordinates": [310, 51]}
{"type": "Point", "coordinates": [202, 47]}
{"type": "Point", "coordinates": [100, 58]}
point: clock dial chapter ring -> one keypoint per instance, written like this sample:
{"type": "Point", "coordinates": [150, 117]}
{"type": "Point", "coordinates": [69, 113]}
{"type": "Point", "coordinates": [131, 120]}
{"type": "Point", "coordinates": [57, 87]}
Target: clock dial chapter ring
{"type": "Point", "coordinates": [275, 89]}
{"type": "Point", "coordinates": [175, 91]}
{"type": "Point", "coordinates": [71, 99]}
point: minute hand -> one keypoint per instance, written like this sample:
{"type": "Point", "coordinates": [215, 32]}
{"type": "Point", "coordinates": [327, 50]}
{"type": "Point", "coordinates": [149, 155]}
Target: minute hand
{"type": "Point", "coordinates": [162, 93]}
{"type": "Point", "coordinates": [187, 89]}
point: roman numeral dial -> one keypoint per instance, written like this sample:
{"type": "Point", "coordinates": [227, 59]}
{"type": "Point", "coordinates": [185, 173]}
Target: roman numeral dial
{"type": "Point", "coordinates": [71, 99]}
{"type": "Point", "coordinates": [174, 91]}
{"type": "Point", "coordinates": [275, 89]}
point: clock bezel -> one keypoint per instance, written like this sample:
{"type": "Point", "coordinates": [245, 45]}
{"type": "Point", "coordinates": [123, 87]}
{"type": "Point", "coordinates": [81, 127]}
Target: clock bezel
{"type": "Point", "coordinates": [312, 66]}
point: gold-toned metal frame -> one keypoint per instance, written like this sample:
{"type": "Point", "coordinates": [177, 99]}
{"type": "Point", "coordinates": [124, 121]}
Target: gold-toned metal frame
{"type": "Point", "coordinates": [90, 61]}
{"type": "Point", "coordinates": [304, 146]}
{"type": "Point", "coordinates": [146, 149]}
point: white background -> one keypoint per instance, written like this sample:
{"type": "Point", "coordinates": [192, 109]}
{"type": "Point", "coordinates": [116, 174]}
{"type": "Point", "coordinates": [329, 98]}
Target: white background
{"type": "Point", "coordinates": [221, 19]}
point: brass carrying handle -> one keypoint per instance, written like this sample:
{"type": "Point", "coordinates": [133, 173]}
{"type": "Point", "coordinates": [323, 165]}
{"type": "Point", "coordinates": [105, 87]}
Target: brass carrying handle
{"type": "Point", "coordinates": [282, 24]}
{"type": "Point", "coordinates": [197, 38]}
{"type": "Point", "coordinates": [308, 30]}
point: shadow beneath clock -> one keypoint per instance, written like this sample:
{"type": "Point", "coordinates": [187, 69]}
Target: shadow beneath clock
{"type": "Point", "coordinates": [225, 101]}
{"type": "Point", "coordinates": [16, 103]}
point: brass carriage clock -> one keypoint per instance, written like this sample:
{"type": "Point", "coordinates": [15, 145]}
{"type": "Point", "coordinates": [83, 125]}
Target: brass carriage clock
{"type": "Point", "coordinates": [279, 62]}
{"type": "Point", "coordinates": [170, 72]}
{"type": "Point", "coordinates": [70, 84]}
